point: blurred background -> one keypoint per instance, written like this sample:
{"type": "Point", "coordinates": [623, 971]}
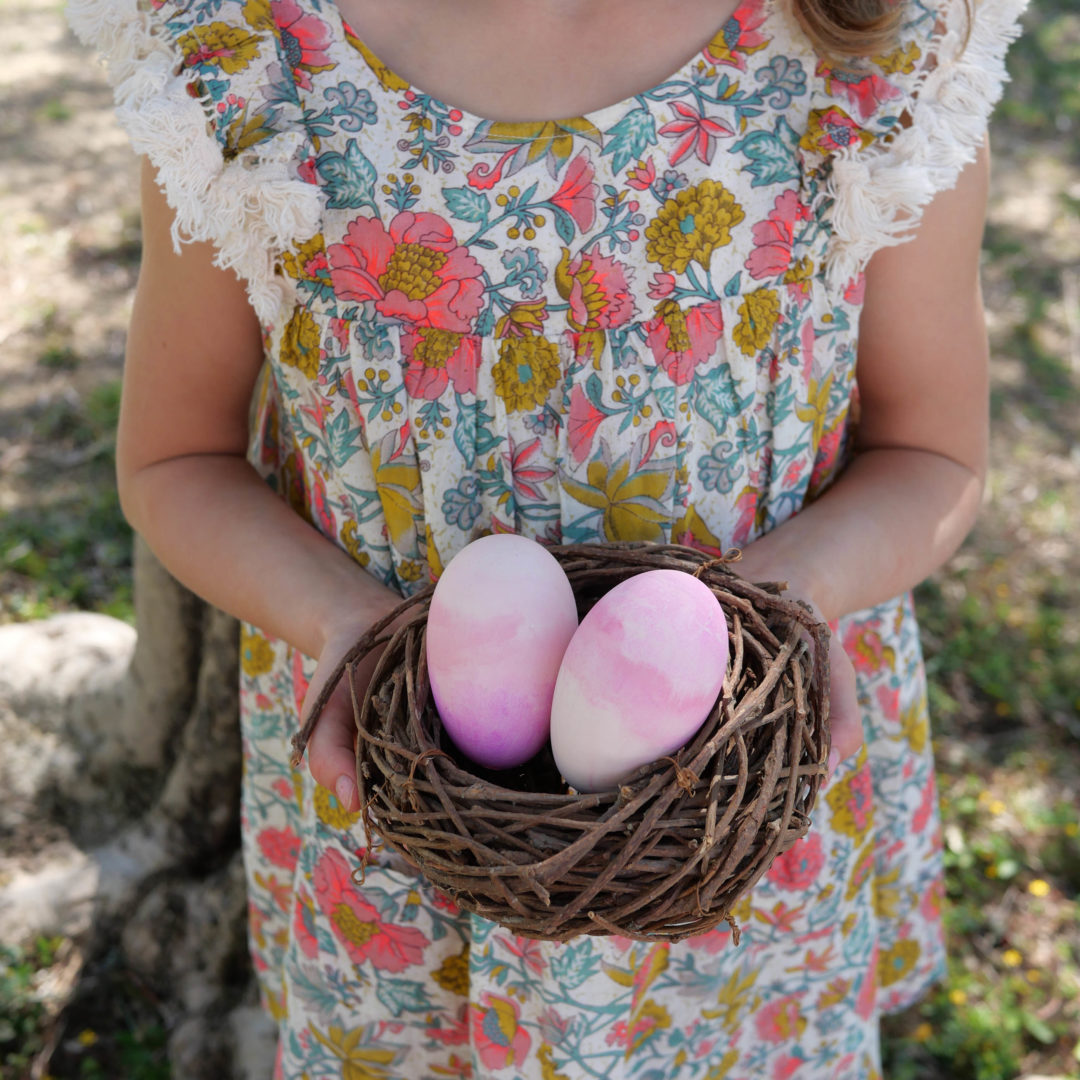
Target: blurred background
{"type": "Point", "coordinates": [1001, 622]}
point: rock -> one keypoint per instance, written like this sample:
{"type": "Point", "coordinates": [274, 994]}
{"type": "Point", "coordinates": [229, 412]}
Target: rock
{"type": "Point", "coordinates": [254, 1037]}
{"type": "Point", "coordinates": [198, 1049]}
{"type": "Point", "coordinates": [59, 898]}
{"type": "Point", "coordinates": [66, 673]}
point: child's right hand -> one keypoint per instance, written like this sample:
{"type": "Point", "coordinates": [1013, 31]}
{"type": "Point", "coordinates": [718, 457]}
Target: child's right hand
{"type": "Point", "coordinates": [331, 750]}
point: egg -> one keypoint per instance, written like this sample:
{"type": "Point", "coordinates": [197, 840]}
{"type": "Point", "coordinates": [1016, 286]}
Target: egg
{"type": "Point", "coordinates": [639, 677]}
{"type": "Point", "coordinates": [500, 618]}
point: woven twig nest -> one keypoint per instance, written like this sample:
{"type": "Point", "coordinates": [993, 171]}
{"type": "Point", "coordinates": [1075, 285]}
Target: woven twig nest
{"type": "Point", "coordinates": [665, 855]}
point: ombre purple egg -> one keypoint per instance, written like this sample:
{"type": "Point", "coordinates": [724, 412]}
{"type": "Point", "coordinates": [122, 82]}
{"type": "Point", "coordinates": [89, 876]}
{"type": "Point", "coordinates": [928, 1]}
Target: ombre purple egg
{"type": "Point", "coordinates": [639, 677]}
{"type": "Point", "coordinates": [500, 618]}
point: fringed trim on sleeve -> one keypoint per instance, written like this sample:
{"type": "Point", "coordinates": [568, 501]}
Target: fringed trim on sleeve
{"type": "Point", "coordinates": [253, 207]}
{"type": "Point", "coordinates": [879, 193]}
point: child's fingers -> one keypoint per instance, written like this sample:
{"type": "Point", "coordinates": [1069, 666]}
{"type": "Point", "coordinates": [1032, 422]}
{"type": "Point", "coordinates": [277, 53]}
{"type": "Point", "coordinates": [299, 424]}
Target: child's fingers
{"type": "Point", "coordinates": [845, 718]}
{"type": "Point", "coordinates": [332, 749]}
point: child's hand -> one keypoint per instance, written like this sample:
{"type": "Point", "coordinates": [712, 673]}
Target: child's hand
{"type": "Point", "coordinates": [331, 750]}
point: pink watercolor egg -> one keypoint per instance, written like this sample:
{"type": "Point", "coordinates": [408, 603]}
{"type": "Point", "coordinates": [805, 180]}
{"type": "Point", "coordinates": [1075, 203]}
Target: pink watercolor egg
{"type": "Point", "coordinates": [639, 677]}
{"type": "Point", "coordinates": [500, 618]}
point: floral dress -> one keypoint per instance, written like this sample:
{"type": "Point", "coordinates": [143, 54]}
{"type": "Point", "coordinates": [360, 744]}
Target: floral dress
{"type": "Point", "coordinates": [640, 323]}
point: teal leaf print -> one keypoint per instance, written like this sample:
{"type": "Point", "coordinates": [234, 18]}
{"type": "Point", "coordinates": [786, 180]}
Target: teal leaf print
{"type": "Point", "coordinates": [575, 963]}
{"type": "Point", "coordinates": [716, 399]}
{"type": "Point", "coordinates": [349, 178]}
{"type": "Point", "coordinates": [467, 205]}
{"type": "Point", "coordinates": [772, 154]}
{"type": "Point", "coordinates": [403, 995]}
{"type": "Point", "coordinates": [665, 400]}
{"type": "Point", "coordinates": [471, 434]}
{"type": "Point", "coordinates": [629, 139]}
{"type": "Point", "coordinates": [341, 438]}
{"type": "Point", "coordinates": [351, 106]}
{"type": "Point", "coordinates": [785, 80]}
{"type": "Point", "coordinates": [564, 226]}
{"type": "Point", "coordinates": [721, 467]}
{"type": "Point", "coordinates": [461, 505]}
{"type": "Point", "coordinates": [733, 286]}
{"type": "Point", "coordinates": [525, 271]}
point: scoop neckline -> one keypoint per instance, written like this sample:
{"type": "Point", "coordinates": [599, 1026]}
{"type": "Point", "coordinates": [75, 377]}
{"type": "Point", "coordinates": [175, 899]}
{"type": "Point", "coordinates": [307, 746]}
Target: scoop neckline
{"type": "Point", "coordinates": [596, 117]}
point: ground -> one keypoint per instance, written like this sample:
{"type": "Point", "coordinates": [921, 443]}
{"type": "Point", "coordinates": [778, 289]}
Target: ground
{"type": "Point", "coordinates": [1000, 619]}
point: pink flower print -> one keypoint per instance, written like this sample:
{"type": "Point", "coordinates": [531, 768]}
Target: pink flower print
{"type": "Point", "coordinates": [662, 285]}
{"type": "Point", "coordinates": [780, 1020]}
{"type": "Point", "coordinates": [304, 926]}
{"type": "Point", "coordinates": [829, 130]}
{"type": "Point", "coordinates": [641, 175]}
{"type": "Point", "coordinates": [799, 866]}
{"type": "Point", "coordinates": [662, 432]}
{"type": "Point", "coordinates": [436, 358]}
{"type": "Point", "coordinates": [497, 1036]}
{"type": "Point", "coordinates": [787, 1066]}
{"type": "Point", "coordinates": [525, 476]}
{"type": "Point", "coordinates": [304, 40]}
{"type": "Point", "coordinates": [695, 132]}
{"type": "Point", "coordinates": [856, 289]}
{"type": "Point", "coordinates": [863, 92]}
{"type": "Point", "coordinates": [357, 925]}
{"type": "Point", "coordinates": [681, 340]}
{"type": "Point", "coordinates": [864, 1003]}
{"type": "Point", "coordinates": [773, 237]}
{"type": "Point", "coordinates": [528, 949]}
{"type": "Point", "coordinates": [738, 37]}
{"type": "Point", "coordinates": [577, 193]}
{"type": "Point", "coordinates": [926, 805]}
{"type": "Point", "coordinates": [415, 271]}
{"type": "Point", "coordinates": [284, 788]}
{"type": "Point", "coordinates": [280, 846]}
{"type": "Point", "coordinates": [453, 1034]}
{"type": "Point", "coordinates": [307, 172]}
{"type": "Point", "coordinates": [582, 424]}
{"type": "Point", "coordinates": [597, 288]}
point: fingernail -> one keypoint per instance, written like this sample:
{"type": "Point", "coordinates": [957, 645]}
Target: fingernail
{"type": "Point", "coordinates": [344, 790]}
{"type": "Point", "coordinates": [834, 760]}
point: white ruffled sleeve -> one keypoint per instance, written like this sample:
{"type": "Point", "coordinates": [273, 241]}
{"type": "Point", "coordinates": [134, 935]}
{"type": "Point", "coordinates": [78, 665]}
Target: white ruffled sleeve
{"type": "Point", "coordinates": [919, 115]}
{"type": "Point", "coordinates": [203, 96]}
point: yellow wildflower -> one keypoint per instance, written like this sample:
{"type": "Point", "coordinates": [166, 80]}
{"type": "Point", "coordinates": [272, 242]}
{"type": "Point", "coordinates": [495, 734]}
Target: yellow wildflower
{"type": "Point", "coordinates": [922, 1032]}
{"type": "Point", "coordinates": [87, 1037]}
{"type": "Point", "coordinates": [1011, 958]}
{"type": "Point", "coordinates": [957, 997]}
{"type": "Point", "coordinates": [1038, 887]}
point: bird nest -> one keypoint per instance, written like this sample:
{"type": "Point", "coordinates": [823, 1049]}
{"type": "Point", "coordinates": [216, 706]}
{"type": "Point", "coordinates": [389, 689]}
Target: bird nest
{"type": "Point", "coordinates": [663, 856]}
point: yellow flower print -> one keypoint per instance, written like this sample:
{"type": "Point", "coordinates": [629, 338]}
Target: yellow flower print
{"type": "Point", "coordinates": [896, 962]}
{"type": "Point", "coordinates": [330, 812]}
{"type": "Point", "coordinates": [258, 16]}
{"type": "Point", "coordinates": [758, 314]}
{"type": "Point", "coordinates": [633, 504]}
{"type": "Point", "coordinates": [527, 371]}
{"type": "Point", "coordinates": [300, 343]}
{"type": "Point", "coordinates": [453, 974]}
{"type": "Point", "coordinates": [410, 570]}
{"type": "Point", "coordinates": [397, 480]}
{"type": "Point", "coordinates": [350, 537]}
{"type": "Point", "coordinates": [691, 226]}
{"type": "Point", "coordinates": [901, 61]}
{"type": "Point", "coordinates": [886, 897]}
{"type": "Point", "coordinates": [230, 48]}
{"type": "Point", "coordinates": [358, 1062]}
{"type": "Point", "coordinates": [693, 532]}
{"type": "Point", "coordinates": [256, 654]}
{"type": "Point", "coordinates": [861, 871]}
{"type": "Point", "coordinates": [733, 1001]}
{"type": "Point", "coordinates": [724, 1066]}
{"type": "Point", "coordinates": [914, 726]}
{"type": "Point", "coordinates": [645, 1023]}
{"type": "Point", "coordinates": [816, 409]}
{"type": "Point", "coordinates": [547, 1065]}
{"type": "Point", "coordinates": [851, 801]}
{"type": "Point", "coordinates": [831, 129]}
{"type": "Point", "coordinates": [306, 262]}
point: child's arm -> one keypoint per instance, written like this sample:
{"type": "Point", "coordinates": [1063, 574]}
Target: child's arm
{"type": "Point", "coordinates": [912, 492]}
{"type": "Point", "coordinates": [194, 350]}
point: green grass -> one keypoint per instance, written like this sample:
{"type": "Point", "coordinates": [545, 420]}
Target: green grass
{"type": "Point", "coordinates": [22, 1013]}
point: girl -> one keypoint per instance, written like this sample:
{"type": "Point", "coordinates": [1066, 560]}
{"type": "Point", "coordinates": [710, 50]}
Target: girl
{"type": "Point", "coordinates": [731, 298]}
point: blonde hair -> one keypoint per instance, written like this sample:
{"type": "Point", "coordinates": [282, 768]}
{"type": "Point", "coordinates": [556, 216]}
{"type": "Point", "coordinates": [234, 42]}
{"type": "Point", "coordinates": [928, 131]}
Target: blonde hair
{"type": "Point", "coordinates": [853, 28]}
